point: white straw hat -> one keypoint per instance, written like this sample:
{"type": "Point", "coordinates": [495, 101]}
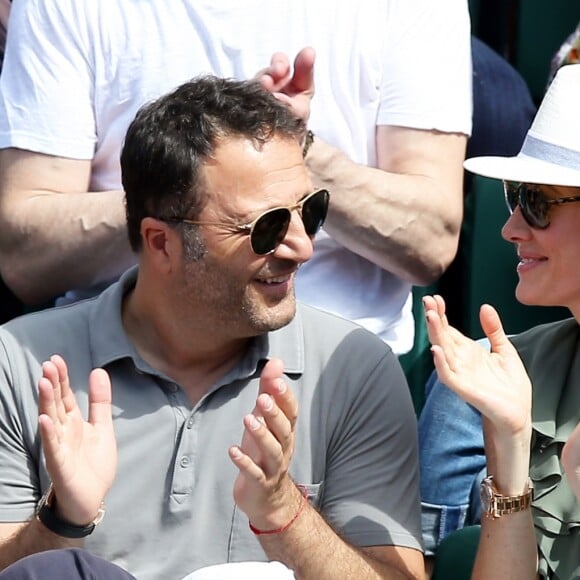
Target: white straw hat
{"type": "Point", "coordinates": [550, 154]}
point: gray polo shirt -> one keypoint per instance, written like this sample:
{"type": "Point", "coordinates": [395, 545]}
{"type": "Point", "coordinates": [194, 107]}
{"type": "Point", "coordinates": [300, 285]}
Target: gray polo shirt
{"type": "Point", "coordinates": [171, 510]}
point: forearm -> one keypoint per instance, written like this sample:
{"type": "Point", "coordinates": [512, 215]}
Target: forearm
{"type": "Point", "coordinates": [407, 223]}
{"type": "Point", "coordinates": [507, 546]}
{"type": "Point", "coordinates": [315, 552]}
{"type": "Point", "coordinates": [54, 242]}
{"type": "Point", "coordinates": [30, 538]}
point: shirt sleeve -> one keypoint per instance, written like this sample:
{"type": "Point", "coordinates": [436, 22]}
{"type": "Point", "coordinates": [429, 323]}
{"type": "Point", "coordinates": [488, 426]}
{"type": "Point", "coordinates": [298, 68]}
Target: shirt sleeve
{"type": "Point", "coordinates": [19, 439]}
{"type": "Point", "coordinates": [371, 487]}
{"type": "Point", "coordinates": [427, 66]}
{"type": "Point", "coordinates": [46, 84]}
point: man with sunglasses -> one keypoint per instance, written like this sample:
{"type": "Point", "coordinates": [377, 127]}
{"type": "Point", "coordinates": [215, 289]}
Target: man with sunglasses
{"type": "Point", "coordinates": [249, 427]}
{"type": "Point", "coordinates": [389, 135]}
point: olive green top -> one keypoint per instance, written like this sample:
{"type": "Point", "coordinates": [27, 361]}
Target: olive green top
{"type": "Point", "coordinates": [551, 354]}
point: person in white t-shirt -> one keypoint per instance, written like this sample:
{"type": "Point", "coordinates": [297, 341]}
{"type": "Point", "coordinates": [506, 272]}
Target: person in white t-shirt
{"type": "Point", "coordinates": [390, 120]}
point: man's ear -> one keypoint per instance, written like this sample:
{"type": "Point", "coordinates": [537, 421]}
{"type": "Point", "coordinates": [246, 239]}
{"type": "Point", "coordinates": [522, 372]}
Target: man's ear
{"type": "Point", "coordinates": [161, 242]}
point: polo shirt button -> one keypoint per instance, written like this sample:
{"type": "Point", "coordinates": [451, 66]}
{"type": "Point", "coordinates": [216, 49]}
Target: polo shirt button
{"type": "Point", "coordinates": [184, 462]}
{"type": "Point", "coordinates": [173, 388]}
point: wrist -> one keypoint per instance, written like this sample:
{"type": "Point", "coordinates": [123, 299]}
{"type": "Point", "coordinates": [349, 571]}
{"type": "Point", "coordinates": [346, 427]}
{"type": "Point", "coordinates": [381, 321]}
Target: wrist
{"type": "Point", "coordinates": [280, 519]}
{"type": "Point", "coordinates": [509, 432]}
{"type": "Point", "coordinates": [511, 478]}
{"type": "Point", "coordinates": [48, 514]}
{"type": "Point", "coordinates": [508, 458]}
{"type": "Point", "coordinates": [496, 503]}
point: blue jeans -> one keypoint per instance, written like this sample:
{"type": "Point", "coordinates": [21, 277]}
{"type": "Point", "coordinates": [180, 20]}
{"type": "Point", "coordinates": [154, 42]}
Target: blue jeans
{"type": "Point", "coordinates": [452, 462]}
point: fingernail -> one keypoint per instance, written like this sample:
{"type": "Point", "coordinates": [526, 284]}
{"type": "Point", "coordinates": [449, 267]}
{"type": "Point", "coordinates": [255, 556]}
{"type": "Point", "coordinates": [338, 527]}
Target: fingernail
{"type": "Point", "coordinates": [281, 386]}
{"type": "Point", "coordinates": [254, 423]}
{"type": "Point", "coordinates": [267, 402]}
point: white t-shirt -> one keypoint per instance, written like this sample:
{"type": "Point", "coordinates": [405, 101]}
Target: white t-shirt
{"type": "Point", "coordinates": [76, 71]}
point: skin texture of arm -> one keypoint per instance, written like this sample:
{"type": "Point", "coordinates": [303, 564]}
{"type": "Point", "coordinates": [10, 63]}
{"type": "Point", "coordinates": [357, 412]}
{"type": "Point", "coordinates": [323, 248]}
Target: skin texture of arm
{"type": "Point", "coordinates": [81, 459]}
{"type": "Point", "coordinates": [314, 551]}
{"type": "Point", "coordinates": [404, 215]}
{"type": "Point", "coordinates": [52, 230]}
{"type": "Point", "coordinates": [507, 547]}
{"type": "Point", "coordinates": [23, 539]}
{"type": "Point", "coordinates": [265, 492]}
{"type": "Point", "coordinates": [496, 383]}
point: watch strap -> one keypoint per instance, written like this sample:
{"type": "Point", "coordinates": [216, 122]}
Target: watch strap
{"type": "Point", "coordinates": [502, 505]}
{"type": "Point", "coordinates": [45, 513]}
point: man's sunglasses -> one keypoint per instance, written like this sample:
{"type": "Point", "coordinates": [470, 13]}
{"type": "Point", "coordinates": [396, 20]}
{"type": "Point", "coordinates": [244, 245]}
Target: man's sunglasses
{"type": "Point", "coordinates": [534, 204]}
{"type": "Point", "coordinates": [269, 229]}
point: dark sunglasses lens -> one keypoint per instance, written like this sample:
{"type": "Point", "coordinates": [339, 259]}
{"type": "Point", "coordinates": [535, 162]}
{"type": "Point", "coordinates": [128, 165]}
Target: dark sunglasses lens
{"type": "Point", "coordinates": [269, 231]}
{"type": "Point", "coordinates": [534, 207]}
{"type": "Point", "coordinates": [314, 211]}
{"type": "Point", "coordinates": [511, 195]}
{"type": "Point", "coordinates": [531, 201]}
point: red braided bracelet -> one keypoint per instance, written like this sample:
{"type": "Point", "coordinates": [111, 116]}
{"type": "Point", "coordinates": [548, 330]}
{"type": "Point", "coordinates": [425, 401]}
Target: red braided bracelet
{"type": "Point", "coordinates": [301, 508]}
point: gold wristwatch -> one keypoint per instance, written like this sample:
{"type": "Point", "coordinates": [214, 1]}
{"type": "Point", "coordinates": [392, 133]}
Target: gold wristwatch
{"type": "Point", "coordinates": [495, 505]}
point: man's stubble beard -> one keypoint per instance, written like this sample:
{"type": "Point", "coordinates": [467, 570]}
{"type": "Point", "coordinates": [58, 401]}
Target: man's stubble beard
{"type": "Point", "coordinates": [229, 304]}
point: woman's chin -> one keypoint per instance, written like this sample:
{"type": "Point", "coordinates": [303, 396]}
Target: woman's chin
{"type": "Point", "coordinates": [529, 297]}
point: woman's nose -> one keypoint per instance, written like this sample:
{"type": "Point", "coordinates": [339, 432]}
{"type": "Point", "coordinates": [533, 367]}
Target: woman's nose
{"type": "Point", "coordinates": [516, 227]}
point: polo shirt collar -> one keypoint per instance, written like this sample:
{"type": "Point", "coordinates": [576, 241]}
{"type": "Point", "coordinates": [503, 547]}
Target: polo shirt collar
{"type": "Point", "coordinates": [287, 343]}
{"type": "Point", "coordinates": [109, 341]}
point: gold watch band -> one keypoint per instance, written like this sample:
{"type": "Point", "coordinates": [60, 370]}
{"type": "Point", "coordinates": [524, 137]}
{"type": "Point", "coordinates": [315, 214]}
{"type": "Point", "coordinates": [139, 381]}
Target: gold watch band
{"type": "Point", "coordinates": [496, 505]}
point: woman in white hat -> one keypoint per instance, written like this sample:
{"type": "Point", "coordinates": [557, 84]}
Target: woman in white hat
{"type": "Point", "coordinates": [527, 387]}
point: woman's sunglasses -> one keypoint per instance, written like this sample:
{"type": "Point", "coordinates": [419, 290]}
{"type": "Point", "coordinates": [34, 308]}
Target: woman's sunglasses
{"type": "Point", "coordinates": [269, 229]}
{"type": "Point", "coordinates": [534, 204]}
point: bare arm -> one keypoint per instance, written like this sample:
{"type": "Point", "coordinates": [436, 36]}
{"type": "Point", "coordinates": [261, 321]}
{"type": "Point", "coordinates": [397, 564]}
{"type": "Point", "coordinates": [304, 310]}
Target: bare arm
{"type": "Point", "coordinates": [507, 546]}
{"type": "Point", "coordinates": [20, 540]}
{"type": "Point", "coordinates": [404, 215]}
{"type": "Point", "coordinates": [314, 551]}
{"type": "Point", "coordinates": [54, 234]}
{"type": "Point", "coordinates": [265, 492]}
{"type": "Point", "coordinates": [496, 383]}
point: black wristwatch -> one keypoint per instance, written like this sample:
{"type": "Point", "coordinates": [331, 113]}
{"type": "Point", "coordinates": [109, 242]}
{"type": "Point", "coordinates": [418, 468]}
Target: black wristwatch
{"type": "Point", "coordinates": [45, 513]}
